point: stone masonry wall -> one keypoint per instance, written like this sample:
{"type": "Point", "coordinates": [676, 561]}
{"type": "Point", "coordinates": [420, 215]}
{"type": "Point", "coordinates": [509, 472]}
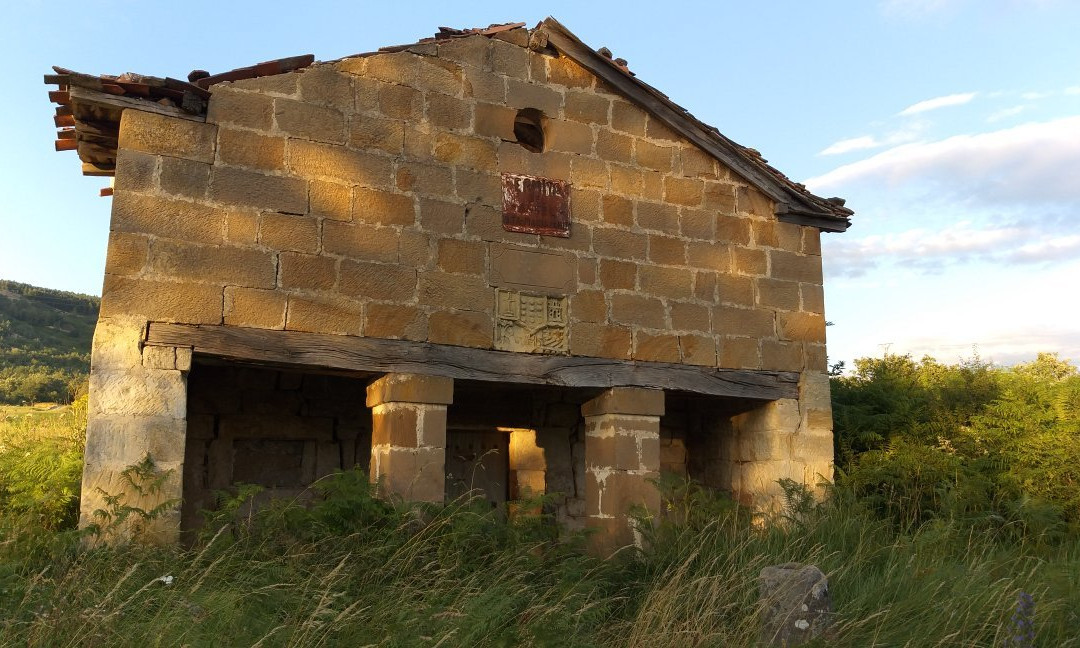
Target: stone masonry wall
{"type": "Point", "coordinates": [363, 197]}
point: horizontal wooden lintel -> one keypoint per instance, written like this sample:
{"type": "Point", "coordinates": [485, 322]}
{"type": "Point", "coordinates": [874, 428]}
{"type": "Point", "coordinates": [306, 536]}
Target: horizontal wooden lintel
{"type": "Point", "coordinates": [374, 355]}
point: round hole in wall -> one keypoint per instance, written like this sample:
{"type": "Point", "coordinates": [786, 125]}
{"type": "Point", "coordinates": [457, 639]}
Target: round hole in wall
{"type": "Point", "coordinates": [529, 129]}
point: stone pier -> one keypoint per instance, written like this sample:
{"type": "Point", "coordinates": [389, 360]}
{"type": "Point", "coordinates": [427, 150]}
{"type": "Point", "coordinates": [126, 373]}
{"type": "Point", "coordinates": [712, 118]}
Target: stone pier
{"type": "Point", "coordinates": [137, 411]}
{"type": "Point", "coordinates": [786, 438]}
{"type": "Point", "coordinates": [408, 436]}
{"type": "Point", "coordinates": [622, 455]}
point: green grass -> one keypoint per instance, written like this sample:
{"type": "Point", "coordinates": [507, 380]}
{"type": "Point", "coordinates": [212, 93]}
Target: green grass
{"type": "Point", "coordinates": [355, 571]}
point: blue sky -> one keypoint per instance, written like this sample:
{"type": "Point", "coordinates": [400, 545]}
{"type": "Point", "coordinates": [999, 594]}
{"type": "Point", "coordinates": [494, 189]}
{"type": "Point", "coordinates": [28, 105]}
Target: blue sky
{"type": "Point", "coordinates": [951, 126]}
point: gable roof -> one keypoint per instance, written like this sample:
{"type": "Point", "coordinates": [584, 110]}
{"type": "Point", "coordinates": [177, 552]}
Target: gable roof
{"type": "Point", "coordinates": [90, 108]}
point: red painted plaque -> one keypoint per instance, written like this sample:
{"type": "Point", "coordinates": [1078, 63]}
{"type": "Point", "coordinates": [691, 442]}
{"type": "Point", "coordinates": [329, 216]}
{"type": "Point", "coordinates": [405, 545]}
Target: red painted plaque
{"type": "Point", "coordinates": [536, 205]}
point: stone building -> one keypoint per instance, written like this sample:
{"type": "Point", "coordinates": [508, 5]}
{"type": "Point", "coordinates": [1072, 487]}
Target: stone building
{"type": "Point", "coordinates": [490, 261]}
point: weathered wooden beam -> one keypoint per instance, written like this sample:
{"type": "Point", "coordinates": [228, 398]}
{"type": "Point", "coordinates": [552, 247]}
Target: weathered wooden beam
{"type": "Point", "coordinates": [120, 102]}
{"type": "Point", "coordinates": [348, 353]}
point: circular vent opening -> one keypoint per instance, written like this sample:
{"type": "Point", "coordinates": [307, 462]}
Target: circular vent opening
{"type": "Point", "coordinates": [529, 129]}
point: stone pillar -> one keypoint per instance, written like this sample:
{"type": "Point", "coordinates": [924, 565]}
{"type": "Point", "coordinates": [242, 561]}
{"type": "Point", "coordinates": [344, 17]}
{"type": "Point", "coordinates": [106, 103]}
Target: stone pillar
{"type": "Point", "coordinates": [137, 417]}
{"type": "Point", "coordinates": [622, 453]}
{"type": "Point", "coordinates": [408, 435]}
{"type": "Point", "coordinates": [783, 439]}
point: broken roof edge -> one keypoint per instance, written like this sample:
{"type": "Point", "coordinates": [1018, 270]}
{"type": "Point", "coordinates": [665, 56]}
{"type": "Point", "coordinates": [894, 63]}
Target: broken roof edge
{"type": "Point", "coordinates": [794, 203]}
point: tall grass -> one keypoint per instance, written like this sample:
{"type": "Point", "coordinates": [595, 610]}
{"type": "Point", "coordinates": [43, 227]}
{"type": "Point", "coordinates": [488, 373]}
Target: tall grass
{"type": "Point", "coordinates": [353, 570]}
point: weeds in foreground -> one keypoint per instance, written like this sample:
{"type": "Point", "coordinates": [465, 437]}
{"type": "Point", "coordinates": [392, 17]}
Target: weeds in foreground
{"type": "Point", "coordinates": [354, 570]}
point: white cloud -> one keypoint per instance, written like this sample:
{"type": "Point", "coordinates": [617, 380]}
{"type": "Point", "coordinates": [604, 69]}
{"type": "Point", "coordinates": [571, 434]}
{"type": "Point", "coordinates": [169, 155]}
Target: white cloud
{"type": "Point", "coordinates": [938, 102]}
{"type": "Point", "coordinates": [1005, 113]}
{"type": "Point", "coordinates": [1072, 90]}
{"type": "Point", "coordinates": [911, 132]}
{"type": "Point", "coordinates": [853, 144]}
{"type": "Point", "coordinates": [1029, 164]}
{"type": "Point", "coordinates": [1044, 241]}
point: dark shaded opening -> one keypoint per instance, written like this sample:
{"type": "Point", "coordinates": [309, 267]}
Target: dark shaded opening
{"type": "Point", "coordinates": [529, 129]}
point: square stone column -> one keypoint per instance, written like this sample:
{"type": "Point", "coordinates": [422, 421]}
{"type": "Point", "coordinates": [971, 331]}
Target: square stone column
{"type": "Point", "coordinates": [408, 435]}
{"type": "Point", "coordinates": [136, 417]}
{"type": "Point", "coordinates": [783, 439]}
{"type": "Point", "coordinates": [622, 455]}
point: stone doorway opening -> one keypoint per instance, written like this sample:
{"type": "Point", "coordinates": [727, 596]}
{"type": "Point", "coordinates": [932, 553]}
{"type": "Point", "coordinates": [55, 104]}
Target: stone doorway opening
{"type": "Point", "coordinates": [278, 429]}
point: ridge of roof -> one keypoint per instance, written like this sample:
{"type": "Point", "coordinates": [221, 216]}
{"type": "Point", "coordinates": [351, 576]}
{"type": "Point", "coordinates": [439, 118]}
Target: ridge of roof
{"type": "Point", "coordinates": [98, 100]}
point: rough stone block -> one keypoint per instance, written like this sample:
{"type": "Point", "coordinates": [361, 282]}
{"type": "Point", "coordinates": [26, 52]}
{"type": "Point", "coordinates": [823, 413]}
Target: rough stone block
{"type": "Point", "coordinates": [781, 356]}
{"type": "Point", "coordinates": [401, 102]}
{"type": "Point", "coordinates": [444, 290]}
{"type": "Point", "coordinates": [521, 94]}
{"type": "Point", "coordinates": [600, 341]}
{"type": "Point", "coordinates": [254, 308]}
{"type": "Point", "coordinates": [448, 112]}
{"type": "Point", "coordinates": [159, 357]}
{"type": "Point", "coordinates": [377, 281]}
{"type": "Point", "coordinates": [135, 171]}
{"type": "Point", "coordinates": [461, 328]}
{"type": "Point", "coordinates": [394, 321]}
{"type": "Point", "coordinates": [751, 201]}
{"type": "Point", "coordinates": [250, 189]}
{"type": "Point", "coordinates": [249, 149]}
{"type": "Point", "coordinates": [570, 137]}
{"type": "Point", "coordinates": [800, 327]}
{"type": "Point", "coordinates": [172, 136]}
{"type": "Point", "coordinates": [739, 353]}
{"type": "Point", "coordinates": [656, 348]}
{"type": "Point", "coordinates": [639, 311]}
{"type": "Point", "coordinates": [307, 271]}
{"type": "Point", "coordinates": [289, 232]}
{"type": "Point", "coordinates": [184, 178]}
{"type": "Point", "coordinates": [471, 152]}
{"type": "Point", "coordinates": [127, 253]}
{"type": "Point", "coordinates": [324, 84]}
{"type": "Point", "coordinates": [371, 132]}
{"type": "Point", "coordinates": [182, 302]}
{"type": "Point", "coordinates": [698, 350]}
{"type": "Point", "coordinates": [628, 118]}
{"type": "Point", "coordinates": [653, 156]}
{"type": "Point", "coordinates": [179, 219]}
{"type": "Point", "coordinates": [465, 257]}
{"type": "Point", "coordinates": [683, 191]}
{"type": "Point", "coordinates": [687, 316]}
{"type": "Point", "coordinates": [720, 197]}
{"type": "Point", "coordinates": [138, 392]}
{"type": "Point", "coordinates": [795, 267]}
{"type": "Point", "coordinates": [795, 604]}
{"type": "Point", "coordinates": [327, 315]}
{"type": "Point", "coordinates": [626, 400]}
{"type": "Point", "coordinates": [360, 241]}
{"type": "Point", "coordinates": [247, 109]}
{"type": "Point", "coordinates": [777, 294]}
{"type": "Point", "coordinates": [618, 275]}
{"type": "Point", "coordinates": [619, 244]}
{"type": "Point", "coordinates": [215, 264]}
{"type": "Point", "coordinates": [664, 282]}
{"type": "Point", "coordinates": [734, 290]}
{"type": "Point", "coordinates": [314, 159]}
{"type": "Point", "coordinates": [383, 207]}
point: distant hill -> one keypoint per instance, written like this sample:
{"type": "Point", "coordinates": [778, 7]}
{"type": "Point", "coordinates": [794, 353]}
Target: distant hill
{"type": "Point", "coordinates": [45, 338]}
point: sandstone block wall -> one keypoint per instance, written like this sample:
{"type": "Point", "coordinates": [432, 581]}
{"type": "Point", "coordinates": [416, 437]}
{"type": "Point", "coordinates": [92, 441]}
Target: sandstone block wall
{"type": "Point", "coordinates": [363, 197]}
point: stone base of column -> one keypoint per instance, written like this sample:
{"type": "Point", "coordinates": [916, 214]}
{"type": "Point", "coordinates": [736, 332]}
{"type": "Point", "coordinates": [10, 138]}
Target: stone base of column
{"type": "Point", "coordinates": [622, 458]}
{"type": "Point", "coordinates": [784, 439]}
{"type": "Point", "coordinates": [135, 436]}
{"type": "Point", "coordinates": [408, 436]}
